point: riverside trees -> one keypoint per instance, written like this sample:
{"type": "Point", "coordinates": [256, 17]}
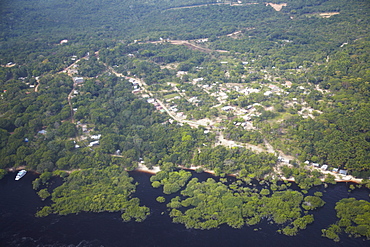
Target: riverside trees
{"type": "Point", "coordinates": [96, 190]}
{"type": "Point", "coordinates": [209, 204]}
{"type": "Point", "coordinates": [353, 219]}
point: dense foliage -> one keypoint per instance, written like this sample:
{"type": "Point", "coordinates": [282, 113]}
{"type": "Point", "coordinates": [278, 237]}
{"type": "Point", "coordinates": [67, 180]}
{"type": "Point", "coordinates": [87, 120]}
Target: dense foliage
{"type": "Point", "coordinates": [171, 181]}
{"type": "Point", "coordinates": [296, 78]}
{"type": "Point", "coordinates": [209, 204]}
{"type": "Point", "coordinates": [353, 219]}
{"type": "Point", "coordinates": [96, 190]}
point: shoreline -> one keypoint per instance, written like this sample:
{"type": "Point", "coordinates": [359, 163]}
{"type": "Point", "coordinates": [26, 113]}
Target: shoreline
{"type": "Point", "coordinates": [351, 180]}
{"type": "Point", "coordinates": [155, 169]}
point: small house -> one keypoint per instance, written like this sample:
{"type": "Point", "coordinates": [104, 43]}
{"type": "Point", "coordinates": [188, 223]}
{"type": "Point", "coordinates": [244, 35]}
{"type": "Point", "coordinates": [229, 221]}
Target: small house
{"type": "Point", "coordinates": [315, 164]}
{"type": "Point", "coordinates": [343, 172]}
{"type": "Point", "coordinates": [72, 71]}
{"type": "Point", "coordinates": [227, 108]}
{"type": "Point", "coordinates": [78, 80]}
{"type": "Point", "coordinates": [150, 101]}
{"type": "Point", "coordinates": [94, 143]}
{"type": "Point", "coordinates": [196, 80]}
{"type": "Point", "coordinates": [96, 137]}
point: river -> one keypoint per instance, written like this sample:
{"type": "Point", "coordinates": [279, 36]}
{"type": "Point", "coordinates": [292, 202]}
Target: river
{"type": "Point", "coordinates": [19, 227]}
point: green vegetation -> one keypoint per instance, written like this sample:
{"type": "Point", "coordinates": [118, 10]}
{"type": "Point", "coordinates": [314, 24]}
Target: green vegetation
{"type": "Point", "coordinates": [224, 160]}
{"type": "Point", "coordinates": [96, 190]}
{"type": "Point", "coordinates": [252, 75]}
{"type": "Point", "coordinates": [261, 57]}
{"type": "Point", "coordinates": [2, 173]}
{"type": "Point", "coordinates": [171, 181]}
{"type": "Point", "coordinates": [210, 204]}
{"type": "Point", "coordinates": [43, 194]}
{"type": "Point", "coordinates": [305, 178]}
{"type": "Point", "coordinates": [312, 202]}
{"type": "Point", "coordinates": [353, 219]}
{"type": "Point", "coordinates": [161, 199]}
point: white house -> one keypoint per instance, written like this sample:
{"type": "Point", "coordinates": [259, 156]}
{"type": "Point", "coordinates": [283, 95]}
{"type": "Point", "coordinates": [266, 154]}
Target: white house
{"type": "Point", "coordinates": [78, 80]}
{"type": "Point", "coordinates": [198, 80]}
{"type": "Point", "coordinates": [227, 108]}
{"type": "Point", "coordinates": [94, 143]}
{"type": "Point", "coordinates": [324, 167]}
{"type": "Point", "coordinates": [150, 101]}
{"type": "Point", "coordinates": [343, 172]}
{"type": "Point", "coordinates": [96, 137]}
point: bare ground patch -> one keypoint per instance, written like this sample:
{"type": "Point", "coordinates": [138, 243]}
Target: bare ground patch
{"type": "Point", "coordinates": [187, 44]}
{"type": "Point", "coordinates": [276, 6]}
{"type": "Point", "coordinates": [328, 14]}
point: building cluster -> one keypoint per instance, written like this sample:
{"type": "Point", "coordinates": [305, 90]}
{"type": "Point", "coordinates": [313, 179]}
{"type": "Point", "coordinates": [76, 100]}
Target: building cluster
{"type": "Point", "coordinates": [325, 167]}
{"type": "Point", "coordinates": [96, 139]}
{"type": "Point", "coordinates": [135, 85]}
{"type": "Point", "coordinates": [156, 104]}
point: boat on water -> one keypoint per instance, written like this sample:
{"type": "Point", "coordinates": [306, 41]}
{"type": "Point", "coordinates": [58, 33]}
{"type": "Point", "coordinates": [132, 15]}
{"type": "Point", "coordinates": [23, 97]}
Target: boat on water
{"type": "Point", "coordinates": [20, 174]}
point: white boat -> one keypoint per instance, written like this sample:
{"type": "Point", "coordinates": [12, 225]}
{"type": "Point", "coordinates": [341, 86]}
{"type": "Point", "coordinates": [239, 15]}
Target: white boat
{"type": "Point", "coordinates": [20, 174]}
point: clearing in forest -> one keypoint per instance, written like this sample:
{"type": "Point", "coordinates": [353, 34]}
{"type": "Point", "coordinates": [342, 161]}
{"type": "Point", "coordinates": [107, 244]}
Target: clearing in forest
{"type": "Point", "coordinates": [328, 14]}
{"type": "Point", "coordinates": [276, 6]}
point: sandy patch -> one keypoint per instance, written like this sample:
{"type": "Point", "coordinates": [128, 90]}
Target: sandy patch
{"type": "Point", "coordinates": [187, 44]}
{"type": "Point", "coordinates": [144, 168]}
{"type": "Point", "coordinates": [170, 66]}
{"type": "Point", "coordinates": [277, 7]}
{"type": "Point", "coordinates": [328, 14]}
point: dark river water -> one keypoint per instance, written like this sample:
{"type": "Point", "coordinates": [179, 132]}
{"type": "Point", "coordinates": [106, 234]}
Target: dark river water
{"type": "Point", "coordinates": [19, 227]}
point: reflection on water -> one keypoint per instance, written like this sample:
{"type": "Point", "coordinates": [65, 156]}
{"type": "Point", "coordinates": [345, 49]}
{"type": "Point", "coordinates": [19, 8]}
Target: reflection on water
{"type": "Point", "coordinates": [19, 227]}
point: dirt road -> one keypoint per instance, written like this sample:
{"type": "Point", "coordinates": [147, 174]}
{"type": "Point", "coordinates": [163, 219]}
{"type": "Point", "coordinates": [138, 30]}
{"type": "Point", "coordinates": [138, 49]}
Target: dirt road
{"type": "Point", "coordinates": [187, 44]}
{"type": "Point", "coordinates": [230, 143]}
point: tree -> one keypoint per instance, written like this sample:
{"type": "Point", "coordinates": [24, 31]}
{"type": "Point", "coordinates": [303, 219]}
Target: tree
{"type": "Point", "coordinates": [161, 199]}
{"type": "Point", "coordinates": [43, 194]}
